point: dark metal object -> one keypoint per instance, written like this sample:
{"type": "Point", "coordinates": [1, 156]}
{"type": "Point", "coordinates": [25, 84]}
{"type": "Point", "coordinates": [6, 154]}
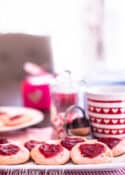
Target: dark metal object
{"type": "Point", "coordinates": [81, 122]}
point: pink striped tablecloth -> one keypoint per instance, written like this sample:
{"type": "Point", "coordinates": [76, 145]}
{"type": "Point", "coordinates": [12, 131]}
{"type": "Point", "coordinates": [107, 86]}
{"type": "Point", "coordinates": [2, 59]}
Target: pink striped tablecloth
{"type": "Point", "coordinates": [46, 134]}
{"type": "Point", "coordinates": [113, 172]}
{"type": "Point", "coordinates": [53, 172]}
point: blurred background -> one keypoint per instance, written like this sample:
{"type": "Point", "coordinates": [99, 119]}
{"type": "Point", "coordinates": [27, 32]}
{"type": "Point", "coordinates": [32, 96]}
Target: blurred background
{"type": "Point", "coordinates": [86, 37]}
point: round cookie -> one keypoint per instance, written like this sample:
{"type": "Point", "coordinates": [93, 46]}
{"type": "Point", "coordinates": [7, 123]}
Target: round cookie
{"type": "Point", "coordinates": [13, 154]}
{"type": "Point", "coordinates": [117, 145]}
{"type": "Point", "coordinates": [70, 141]}
{"type": "Point", "coordinates": [17, 120]}
{"type": "Point", "coordinates": [3, 117]}
{"type": "Point", "coordinates": [91, 152]}
{"type": "Point", "coordinates": [30, 144]}
{"type": "Point", "coordinates": [50, 154]}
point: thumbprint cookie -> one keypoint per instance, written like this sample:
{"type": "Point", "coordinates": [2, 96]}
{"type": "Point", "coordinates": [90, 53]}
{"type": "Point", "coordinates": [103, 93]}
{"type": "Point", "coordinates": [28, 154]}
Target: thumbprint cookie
{"type": "Point", "coordinates": [70, 141]}
{"type": "Point", "coordinates": [17, 120]}
{"type": "Point", "coordinates": [91, 152]}
{"type": "Point", "coordinates": [30, 144]}
{"type": "Point", "coordinates": [117, 145]}
{"type": "Point", "coordinates": [13, 154]}
{"type": "Point", "coordinates": [50, 154]}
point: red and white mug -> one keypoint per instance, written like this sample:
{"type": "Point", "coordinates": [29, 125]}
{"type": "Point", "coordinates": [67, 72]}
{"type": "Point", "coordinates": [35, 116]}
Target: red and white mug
{"type": "Point", "coordinates": [106, 110]}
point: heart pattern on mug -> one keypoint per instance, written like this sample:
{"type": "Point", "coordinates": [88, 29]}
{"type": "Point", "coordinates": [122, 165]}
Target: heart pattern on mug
{"type": "Point", "coordinates": [121, 131]}
{"type": "Point", "coordinates": [98, 120]}
{"type": "Point", "coordinates": [122, 121]}
{"type": "Point", "coordinates": [103, 110]}
{"type": "Point", "coordinates": [106, 121]}
{"type": "Point", "coordinates": [106, 110]}
{"type": "Point", "coordinates": [98, 109]}
{"type": "Point", "coordinates": [122, 110]}
{"type": "Point", "coordinates": [92, 119]}
{"type": "Point", "coordinates": [91, 108]}
{"type": "Point", "coordinates": [106, 131]}
{"type": "Point", "coordinates": [35, 96]}
{"type": "Point", "coordinates": [99, 130]}
{"type": "Point", "coordinates": [114, 121]}
{"type": "Point", "coordinates": [114, 131]}
{"type": "Point", "coordinates": [105, 117]}
{"type": "Point", "coordinates": [114, 110]}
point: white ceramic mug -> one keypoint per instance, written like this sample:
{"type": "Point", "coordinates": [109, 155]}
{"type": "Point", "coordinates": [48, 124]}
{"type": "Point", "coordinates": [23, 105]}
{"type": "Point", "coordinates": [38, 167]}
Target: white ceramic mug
{"type": "Point", "coordinates": [106, 110]}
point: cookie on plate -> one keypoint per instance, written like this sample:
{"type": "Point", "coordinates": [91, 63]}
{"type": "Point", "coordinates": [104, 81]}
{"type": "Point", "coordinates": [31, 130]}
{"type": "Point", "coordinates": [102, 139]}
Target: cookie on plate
{"type": "Point", "coordinates": [13, 154]}
{"type": "Point", "coordinates": [91, 152]}
{"type": "Point", "coordinates": [117, 145]}
{"type": "Point", "coordinates": [50, 154]}
{"type": "Point", "coordinates": [3, 116]}
{"type": "Point", "coordinates": [70, 141]}
{"type": "Point", "coordinates": [16, 120]}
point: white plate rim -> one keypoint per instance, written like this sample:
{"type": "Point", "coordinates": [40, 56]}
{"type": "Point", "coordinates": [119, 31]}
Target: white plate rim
{"type": "Point", "coordinates": [36, 120]}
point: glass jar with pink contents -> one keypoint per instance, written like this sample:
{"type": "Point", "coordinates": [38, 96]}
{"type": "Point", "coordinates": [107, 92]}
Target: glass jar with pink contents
{"type": "Point", "coordinates": [65, 93]}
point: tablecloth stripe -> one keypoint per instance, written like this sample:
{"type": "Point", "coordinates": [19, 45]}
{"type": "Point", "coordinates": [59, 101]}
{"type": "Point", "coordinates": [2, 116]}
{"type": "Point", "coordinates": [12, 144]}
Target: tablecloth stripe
{"type": "Point", "coordinates": [110, 172]}
{"type": "Point", "coordinates": [57, 172]}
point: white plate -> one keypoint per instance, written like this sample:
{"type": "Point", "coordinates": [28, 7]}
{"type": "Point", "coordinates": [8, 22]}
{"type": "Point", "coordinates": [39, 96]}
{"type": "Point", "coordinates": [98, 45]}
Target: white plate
{"type": "Point", "coordinates": [36, 116]}
{"type": "Point", "coordinates": [118, 162]}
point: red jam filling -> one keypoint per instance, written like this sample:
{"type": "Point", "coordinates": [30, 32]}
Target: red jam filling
{"type": "Point", "coordinates": [69, 142]}
{"type": "Point", "coordinates": [91, 150]}
{"type": "Point", "coordinates": [16, 117]}
{"type": "Point", "coordinates": [8, 150]}
{"type": "Point", "coordinates": [3, 140]}
{"type": "Point", "coordinates": [50, 150]}
{"type": "Point", "coordinates": [110, 142]}
{"type": "Point", "coordinates": [31, 144]}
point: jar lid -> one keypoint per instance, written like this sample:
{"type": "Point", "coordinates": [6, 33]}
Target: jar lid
{"type": "Point", "coordinates": [40, 79]}
{"type": "Point", "coordinates": [65, 83]}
